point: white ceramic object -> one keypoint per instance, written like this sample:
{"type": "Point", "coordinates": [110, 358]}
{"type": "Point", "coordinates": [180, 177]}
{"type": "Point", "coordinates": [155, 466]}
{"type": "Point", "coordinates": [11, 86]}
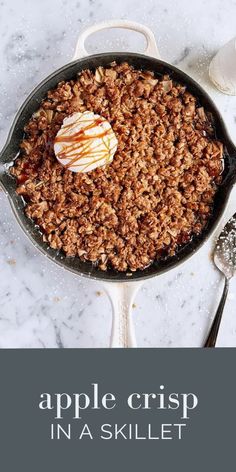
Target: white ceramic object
{"type": "Point", "coordinates": [222, 70]}
{"type": "Point", "coordinates": [122, 294]}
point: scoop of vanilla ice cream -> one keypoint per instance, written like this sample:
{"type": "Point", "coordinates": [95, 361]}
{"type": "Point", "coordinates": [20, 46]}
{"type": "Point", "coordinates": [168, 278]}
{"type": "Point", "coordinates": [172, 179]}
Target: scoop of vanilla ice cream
{"type": "Point", "coordinates": [84, 142]}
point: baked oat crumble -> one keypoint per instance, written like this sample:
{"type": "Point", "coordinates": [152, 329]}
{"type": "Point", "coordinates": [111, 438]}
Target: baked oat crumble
{"type": "Point", "coordinates": [155, 195]}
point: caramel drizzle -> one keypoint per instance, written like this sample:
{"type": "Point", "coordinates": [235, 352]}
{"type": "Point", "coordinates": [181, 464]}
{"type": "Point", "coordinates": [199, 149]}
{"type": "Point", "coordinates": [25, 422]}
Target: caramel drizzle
{"type": "Point", "coordinates": [78, 139]}
{"type": "Point", "coordinates": [105, 155]}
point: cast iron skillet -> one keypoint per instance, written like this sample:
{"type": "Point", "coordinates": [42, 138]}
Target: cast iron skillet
{"type": "Point", "coordinates": [122, 329]}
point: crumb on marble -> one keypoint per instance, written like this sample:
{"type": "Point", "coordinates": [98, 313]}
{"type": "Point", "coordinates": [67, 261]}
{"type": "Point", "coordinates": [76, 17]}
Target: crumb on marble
{"type": "Point", "coordinates": [11, 262]}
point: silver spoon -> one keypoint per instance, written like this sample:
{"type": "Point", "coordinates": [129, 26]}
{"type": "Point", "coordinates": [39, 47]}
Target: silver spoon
{"type": "Point", "coordinates": [225, 260]}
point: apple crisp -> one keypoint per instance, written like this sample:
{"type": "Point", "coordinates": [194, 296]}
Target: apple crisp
{"type": "Point", "coordinates": [157, 193]}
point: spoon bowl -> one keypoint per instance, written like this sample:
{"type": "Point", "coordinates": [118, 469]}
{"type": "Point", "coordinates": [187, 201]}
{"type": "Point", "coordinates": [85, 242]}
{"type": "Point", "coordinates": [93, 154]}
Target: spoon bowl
{"type": "Point", "coordinates": [225, 250]}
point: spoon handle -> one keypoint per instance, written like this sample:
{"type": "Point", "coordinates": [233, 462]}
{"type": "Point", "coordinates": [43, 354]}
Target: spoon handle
{"type": "Point", "coordinates": [212, 337]}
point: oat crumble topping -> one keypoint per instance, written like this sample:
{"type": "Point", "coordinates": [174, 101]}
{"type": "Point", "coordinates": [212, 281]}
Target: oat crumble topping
{"type": "Point", "coordinates": [155, 195]}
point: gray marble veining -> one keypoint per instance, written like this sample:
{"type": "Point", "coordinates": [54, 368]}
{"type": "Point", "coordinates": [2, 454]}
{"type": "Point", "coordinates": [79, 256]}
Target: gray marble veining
{"type": "Point", "coordinates": [40, 304]}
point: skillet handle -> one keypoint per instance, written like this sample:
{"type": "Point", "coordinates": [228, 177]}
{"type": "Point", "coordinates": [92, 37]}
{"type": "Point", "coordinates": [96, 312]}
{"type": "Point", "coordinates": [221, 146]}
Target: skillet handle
{"type": "Point", "coordinates": [151, 47]}
{"type": "Point", "coordinates": [3, 154]}
{"type": "Point", "coordinates": [122, 296]}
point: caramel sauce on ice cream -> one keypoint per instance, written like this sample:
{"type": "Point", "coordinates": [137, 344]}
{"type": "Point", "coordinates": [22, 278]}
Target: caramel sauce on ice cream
{"type": "Point", "coordinates": [84, 142]}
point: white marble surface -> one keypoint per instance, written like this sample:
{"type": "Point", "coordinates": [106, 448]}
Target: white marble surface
{"type": "Point", "coordinates": [42, 305]}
